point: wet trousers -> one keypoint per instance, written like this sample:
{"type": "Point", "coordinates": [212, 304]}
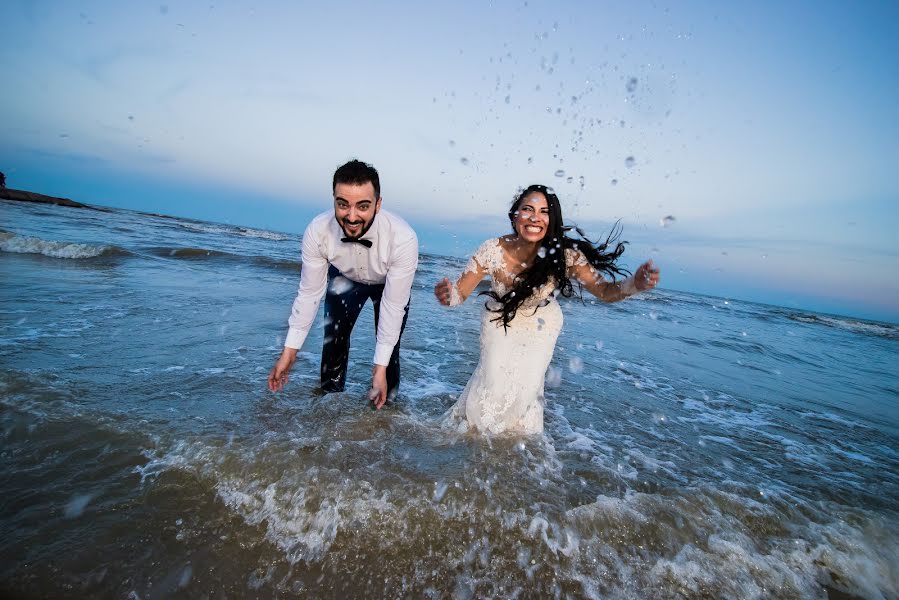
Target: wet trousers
{"type": "Point", "coordinates": [343, 303]}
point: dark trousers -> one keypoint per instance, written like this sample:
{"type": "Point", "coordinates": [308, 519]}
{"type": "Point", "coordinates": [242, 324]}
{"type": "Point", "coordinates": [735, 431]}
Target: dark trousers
{"type": "Point", "coordinates": [343, 303]}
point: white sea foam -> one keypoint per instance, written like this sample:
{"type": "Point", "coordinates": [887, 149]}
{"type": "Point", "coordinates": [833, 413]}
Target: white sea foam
{"type": "Point", "coordinates": [241, 231]}
{"type": "Point", "coordinates": [701, 552]}
{"type": "Point", "coordinates": [263, 234]}
{"type": "Point", "coordinates": [21, 244]}
{"type": "Point", "coordinates": [879, 329]}
{"type": "Point", "coordinates": [204, 228]}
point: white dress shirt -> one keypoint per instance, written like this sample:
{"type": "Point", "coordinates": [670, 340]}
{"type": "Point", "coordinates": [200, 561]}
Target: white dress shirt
{"type": "Point", "coordinates": [391, 260]}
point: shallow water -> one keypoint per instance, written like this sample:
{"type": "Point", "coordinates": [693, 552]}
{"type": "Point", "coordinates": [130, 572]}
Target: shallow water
{"type": "Point", "coordinates": [695, 447]}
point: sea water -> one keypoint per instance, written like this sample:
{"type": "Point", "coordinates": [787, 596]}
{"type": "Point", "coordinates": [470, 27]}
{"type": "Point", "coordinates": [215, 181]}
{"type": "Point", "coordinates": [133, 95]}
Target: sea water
{"type": "Point", "coordinates": [695, 447]}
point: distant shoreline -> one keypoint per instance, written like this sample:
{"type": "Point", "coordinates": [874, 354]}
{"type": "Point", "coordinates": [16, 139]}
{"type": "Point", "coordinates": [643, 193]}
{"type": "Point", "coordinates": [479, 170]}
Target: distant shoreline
{"type": "Point", "coordinates": [25, 196]}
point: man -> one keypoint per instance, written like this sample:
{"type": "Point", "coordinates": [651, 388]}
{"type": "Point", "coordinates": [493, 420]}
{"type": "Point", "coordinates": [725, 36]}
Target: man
{"type": "Point", "coordinates": [359, 252]}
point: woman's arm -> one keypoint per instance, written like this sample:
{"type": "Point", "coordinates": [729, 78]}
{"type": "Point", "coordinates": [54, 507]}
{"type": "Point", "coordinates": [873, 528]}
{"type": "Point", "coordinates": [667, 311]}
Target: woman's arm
{"type": "Point", "coordinates": [645, 278]}
{"type": "Point", "coordinates": [453, 294]}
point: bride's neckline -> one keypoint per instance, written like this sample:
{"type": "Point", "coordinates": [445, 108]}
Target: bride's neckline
{"type": "Point", "coordinates": [513, 263]}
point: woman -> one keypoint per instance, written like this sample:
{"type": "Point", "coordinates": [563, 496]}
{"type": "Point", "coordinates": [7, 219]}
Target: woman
{"type": "Point", "coordinates": [521, 322]}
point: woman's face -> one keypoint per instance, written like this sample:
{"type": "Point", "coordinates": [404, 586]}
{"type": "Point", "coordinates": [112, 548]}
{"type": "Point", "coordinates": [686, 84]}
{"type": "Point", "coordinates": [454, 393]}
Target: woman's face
{"type": "Point", "coordinates": [531, 220]}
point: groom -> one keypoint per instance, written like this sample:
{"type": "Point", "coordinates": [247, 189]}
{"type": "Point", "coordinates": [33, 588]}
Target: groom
{"type": "Point", "coordinates": [356, 253]}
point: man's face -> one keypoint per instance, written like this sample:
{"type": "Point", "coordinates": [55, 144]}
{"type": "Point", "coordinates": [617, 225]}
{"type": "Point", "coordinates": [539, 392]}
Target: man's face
{"type": "Point", "coordinates": [355, 206]}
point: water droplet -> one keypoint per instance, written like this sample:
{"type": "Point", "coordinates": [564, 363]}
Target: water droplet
{"type": "Point", "coordinates": [631, 85]}
{"type": "Point", "coordinates": [553, 377]}
{"type": "Point", "coordinates": [464, 161]}
{"type": "Point", "coordinates": [440, 488]}
{"type": "Point", "coordinates": [581, 181]}
{"type": "Point", "coordinates": [530, 160]}
{"type": "Point", "coordinates": [614, 182]}
{"type": "Point", "coordinates": [667, 220]}
{"type": "Point", "coordinates": [541, 252]}
{"type": "Point", "coordinates": [75, 507]}
{"type": "Point", "coordinates": [629, 162]}
{"type": "Point", "coordinates": [560, 173]}
{"type": "Point", "coordinates": [508, 99]}
{"type": "Point", "coordinates": [163, 9]}
{"type": "Point", "coordinates": [599, 344]}
{"type": "Point", "coordinates": [576, 365]}
{"type": "Point", "coordinates": [452, 143]}
{"type": "Point", "coordinates": [340, 285]}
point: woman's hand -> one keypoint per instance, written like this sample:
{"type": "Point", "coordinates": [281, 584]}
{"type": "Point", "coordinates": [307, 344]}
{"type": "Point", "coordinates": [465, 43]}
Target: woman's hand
{"type": "Point", "coordinates": [646, 277]}
{"type": "Point", "coordinates": [443, 291]}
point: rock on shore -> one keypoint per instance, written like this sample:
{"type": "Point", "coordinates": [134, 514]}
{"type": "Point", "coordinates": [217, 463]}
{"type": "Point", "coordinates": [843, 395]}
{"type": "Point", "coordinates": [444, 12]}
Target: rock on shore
{"type": "Point", "coordinates": [23, 196]}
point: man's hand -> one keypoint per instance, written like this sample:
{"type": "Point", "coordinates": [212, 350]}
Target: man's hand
{"type": "Point", "coordinates": [280, 373]}
{"type": "Point", "coordinates": [378, 394]}
{"type": "Point", "coordinates": [443, 291]}
{"type": "Point", "coordinates": [646, 277]}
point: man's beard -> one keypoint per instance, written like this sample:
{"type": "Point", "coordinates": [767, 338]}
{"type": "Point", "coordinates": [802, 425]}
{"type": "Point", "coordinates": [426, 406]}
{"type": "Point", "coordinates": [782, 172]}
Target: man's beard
{"type": "Point", "coordinates": [365, 227]}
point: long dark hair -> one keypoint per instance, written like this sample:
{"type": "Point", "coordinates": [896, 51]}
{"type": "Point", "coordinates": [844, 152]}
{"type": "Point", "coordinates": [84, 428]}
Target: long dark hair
{"type": "Point", "coordinates": [550, 260]}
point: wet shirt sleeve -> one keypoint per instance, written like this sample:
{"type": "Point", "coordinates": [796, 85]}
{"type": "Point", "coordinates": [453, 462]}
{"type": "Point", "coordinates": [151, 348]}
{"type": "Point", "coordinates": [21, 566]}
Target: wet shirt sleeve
{"type": "Point", "coordinates": [313, 281]}
{"type": "Point", "coordinates": [397, 290]}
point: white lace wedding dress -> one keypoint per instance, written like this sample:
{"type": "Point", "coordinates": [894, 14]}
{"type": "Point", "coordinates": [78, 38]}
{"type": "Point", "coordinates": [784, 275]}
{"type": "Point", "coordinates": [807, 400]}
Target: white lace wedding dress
{"type": "Point", "coordinates": [505, 392]}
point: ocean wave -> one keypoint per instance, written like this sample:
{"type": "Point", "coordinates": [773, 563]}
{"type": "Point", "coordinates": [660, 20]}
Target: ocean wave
{"type": "Point", "coordinates": [249, 232]}
{"type": "Point", "coordinates": [278, 263]}
{"type": "Point", "coordinates": [854, 325]}
{"type": "Point", "coordinates": [200, 254]}
{"type": "Point", "coordinates": [23, 244]}
{"type": "Point", "coordinates": [189, 253]}
{"type": "Point", "coordinates": [263, 234]}
{"type": "Point", "coordinates": [324, 500]}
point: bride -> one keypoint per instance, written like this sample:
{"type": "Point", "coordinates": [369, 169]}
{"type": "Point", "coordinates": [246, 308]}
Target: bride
{"type": "Point", "coordinates": [521, 321]}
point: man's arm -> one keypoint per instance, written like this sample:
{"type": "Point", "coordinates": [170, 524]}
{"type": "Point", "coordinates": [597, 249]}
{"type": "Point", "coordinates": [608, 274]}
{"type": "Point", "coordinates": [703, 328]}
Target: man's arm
{"type": "Point", "coordinates": [313, 281]}
{"type": "Point", "coordinates": [397, 290]}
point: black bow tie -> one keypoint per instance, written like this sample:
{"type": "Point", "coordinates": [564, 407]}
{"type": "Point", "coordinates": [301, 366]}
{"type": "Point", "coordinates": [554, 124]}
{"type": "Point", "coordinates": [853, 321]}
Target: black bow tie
{"type": "Point", "coordinates": [349, 240]}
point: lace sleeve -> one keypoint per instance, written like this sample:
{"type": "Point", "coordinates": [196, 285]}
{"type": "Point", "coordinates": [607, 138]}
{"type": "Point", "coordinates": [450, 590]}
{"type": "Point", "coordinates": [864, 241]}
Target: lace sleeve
{"type": "Point", "coordinates": [485, 261]}
{"type": "Point", "coordinates": [455, 297]}
{"type": "Point", "coordinates": [575, 258]}
{"type": "Point", "coordinates": [488, 258]}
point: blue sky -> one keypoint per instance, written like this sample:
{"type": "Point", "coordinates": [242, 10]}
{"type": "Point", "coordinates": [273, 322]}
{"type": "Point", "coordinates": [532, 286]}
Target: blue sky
{"type": "Point", "coordinates": [769, 131]}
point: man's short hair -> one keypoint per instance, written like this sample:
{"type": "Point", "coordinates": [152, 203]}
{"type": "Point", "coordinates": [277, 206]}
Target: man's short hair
{"type": "Point", "coordinates": [357, 172]}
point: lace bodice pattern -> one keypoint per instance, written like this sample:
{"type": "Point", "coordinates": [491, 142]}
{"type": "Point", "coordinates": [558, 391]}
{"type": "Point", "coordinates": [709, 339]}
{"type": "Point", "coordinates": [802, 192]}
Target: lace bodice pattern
{"type": "Point", "coordinates": [490, 258]}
